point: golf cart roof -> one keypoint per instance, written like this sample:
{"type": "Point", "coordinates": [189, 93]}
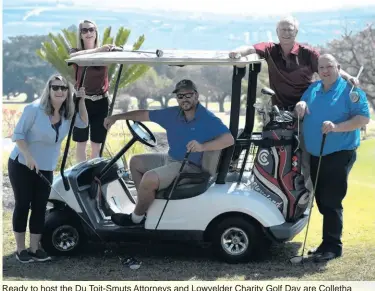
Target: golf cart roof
{"type": "Point", "coordinates": [169, 57]}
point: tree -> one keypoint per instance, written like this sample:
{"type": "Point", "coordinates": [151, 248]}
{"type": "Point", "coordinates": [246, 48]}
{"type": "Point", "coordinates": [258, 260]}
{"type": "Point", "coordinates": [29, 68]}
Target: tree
{"type": "Point", "coordinates": [218, 82]}
{"type": "Point", "coordinates": [354, 50]}
{"type": "Point", "coordinates": [151, 86]}
{"type": "Point", "coordinates": [23, 70]}
{"type": "Point", "coordinates": [163, 93]}
{"type": "Point", "coordinates": [55, 52]}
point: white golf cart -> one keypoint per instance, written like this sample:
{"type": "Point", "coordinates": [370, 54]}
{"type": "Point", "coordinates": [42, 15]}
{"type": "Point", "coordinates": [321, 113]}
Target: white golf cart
{"type": "Point", "coordinates": [249, 194]}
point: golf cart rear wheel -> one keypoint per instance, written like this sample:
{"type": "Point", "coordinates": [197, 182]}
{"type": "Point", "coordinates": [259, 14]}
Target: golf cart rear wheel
{"type": "Point", "coordinates": [235, 240]}
{"type": "Point", "coordinates": [63, 235]}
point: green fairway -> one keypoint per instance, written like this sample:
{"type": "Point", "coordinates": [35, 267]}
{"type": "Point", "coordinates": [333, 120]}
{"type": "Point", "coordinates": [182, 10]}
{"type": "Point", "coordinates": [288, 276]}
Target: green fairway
{"type": "Point", "coordinates": [178, 262]}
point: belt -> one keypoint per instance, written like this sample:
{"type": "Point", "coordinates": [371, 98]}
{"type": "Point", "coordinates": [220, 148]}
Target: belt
{"type": "Point", "coordinates": [96, 97]}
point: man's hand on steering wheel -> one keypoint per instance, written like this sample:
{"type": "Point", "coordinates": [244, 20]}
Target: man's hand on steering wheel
{"type": "Point", "coordinates": [109, 121]}
{"type": "Point", "coordinates": [194, 146]}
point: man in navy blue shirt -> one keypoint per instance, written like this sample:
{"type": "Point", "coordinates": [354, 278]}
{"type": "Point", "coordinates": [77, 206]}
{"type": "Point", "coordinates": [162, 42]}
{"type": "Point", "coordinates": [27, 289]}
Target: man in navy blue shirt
{"type": "Point", "coordinates": [328, 108]}
{"type": "Point", "coordinates": [189, 127]}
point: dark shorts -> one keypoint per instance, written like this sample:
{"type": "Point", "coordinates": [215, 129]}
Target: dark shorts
{"type": "Point", "coordinates": [97, 111]}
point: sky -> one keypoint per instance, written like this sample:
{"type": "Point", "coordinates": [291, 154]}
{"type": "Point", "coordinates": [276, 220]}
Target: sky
{"type": "Point", "coordinates": [193, 23]}
{"type": "Point", "coordinates": [241, 7]}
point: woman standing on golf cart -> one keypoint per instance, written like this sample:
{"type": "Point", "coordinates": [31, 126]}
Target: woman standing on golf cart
{"type": "Point", "coordinates": [38, 135]}
{"type": "Point", "coordinates": [96, 85]}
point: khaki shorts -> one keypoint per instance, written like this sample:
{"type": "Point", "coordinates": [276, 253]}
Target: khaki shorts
{"type": "Point", "coordinates": [165, 167]}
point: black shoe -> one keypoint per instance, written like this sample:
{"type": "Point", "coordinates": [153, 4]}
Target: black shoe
{"type": "Point", "coordinates": [325, 257]}
{"type": "Point", "coordinates": [39, 255]}
{"type": "Point", "coordinates": [126, 220]}
{"type": "Point", "coordinates": [24, 257]}
{"type": "Point", "coordinates": [317, 251]}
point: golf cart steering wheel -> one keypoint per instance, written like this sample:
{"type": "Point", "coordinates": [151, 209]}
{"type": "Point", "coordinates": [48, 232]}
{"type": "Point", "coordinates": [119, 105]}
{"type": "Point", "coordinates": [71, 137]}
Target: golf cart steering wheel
{"type": "Point", "coordinates": [141, 133]}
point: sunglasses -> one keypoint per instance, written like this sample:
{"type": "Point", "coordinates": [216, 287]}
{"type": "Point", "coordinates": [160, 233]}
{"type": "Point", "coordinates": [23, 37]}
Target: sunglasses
{"type": "Point", "coordinates": [86, 30]}
{"type": "Point", "coordinates": [187, 95]}
{"type": "Point", "coordinates": [57, 87]}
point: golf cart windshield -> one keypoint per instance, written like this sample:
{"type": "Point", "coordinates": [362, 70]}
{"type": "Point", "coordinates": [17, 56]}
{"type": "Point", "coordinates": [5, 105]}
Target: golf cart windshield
{"type": "Point", "coordinates": [194, 57]}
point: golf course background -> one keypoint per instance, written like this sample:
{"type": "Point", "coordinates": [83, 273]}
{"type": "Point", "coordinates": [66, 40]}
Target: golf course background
{"type": "Point", "coordinates": [184, 262]}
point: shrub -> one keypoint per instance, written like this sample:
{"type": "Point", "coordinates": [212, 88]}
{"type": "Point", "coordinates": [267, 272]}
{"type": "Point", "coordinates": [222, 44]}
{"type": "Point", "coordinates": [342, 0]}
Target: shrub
{"type": "Point", "coordinates": [10, 119]}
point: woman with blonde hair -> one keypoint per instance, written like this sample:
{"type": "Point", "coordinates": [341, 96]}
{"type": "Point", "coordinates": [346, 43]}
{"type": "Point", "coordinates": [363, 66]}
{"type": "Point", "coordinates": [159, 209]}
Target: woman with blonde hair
{"type": "Point", "coordinates": [96, 84]}
{"type": "Point", "coordinates": [38, 135]}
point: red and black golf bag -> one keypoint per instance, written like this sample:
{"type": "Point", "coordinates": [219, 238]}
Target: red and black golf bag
{"type": "Point", "coordinates": [277, 165]}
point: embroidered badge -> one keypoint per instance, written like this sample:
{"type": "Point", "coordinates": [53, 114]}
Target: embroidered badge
{"type": "Point", "coordinates": [354, 97]}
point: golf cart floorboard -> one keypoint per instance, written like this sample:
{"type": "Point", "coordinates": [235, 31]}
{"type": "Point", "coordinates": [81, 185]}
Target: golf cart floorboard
{"type": "Point", "coordinates": [118, 233]}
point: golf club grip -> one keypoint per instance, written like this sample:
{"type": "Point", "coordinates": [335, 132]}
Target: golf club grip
{"type": "Point", "coordinates": [360, 71]}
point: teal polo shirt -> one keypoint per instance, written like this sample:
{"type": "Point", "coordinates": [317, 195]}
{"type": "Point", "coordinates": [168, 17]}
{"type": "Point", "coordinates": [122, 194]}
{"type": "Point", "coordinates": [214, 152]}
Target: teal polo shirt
{"type": "Point", "coordinates": [205, 126]}
{"type": "Point", "coordinates": [336, 106]}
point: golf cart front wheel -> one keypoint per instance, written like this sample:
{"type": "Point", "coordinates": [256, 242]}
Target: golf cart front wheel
{"type": "Point", "coordinates": [235, 240]}
{"type": "Point", "coordinates": [63, 235]}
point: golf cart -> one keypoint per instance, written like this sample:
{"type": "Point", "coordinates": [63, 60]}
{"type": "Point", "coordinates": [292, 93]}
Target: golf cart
{"type": "Point", "coordinates": [248, 195]}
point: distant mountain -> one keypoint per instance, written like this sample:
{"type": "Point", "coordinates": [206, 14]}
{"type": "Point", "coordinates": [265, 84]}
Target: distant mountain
{"type": "Point", "coordinates": [193, 31]}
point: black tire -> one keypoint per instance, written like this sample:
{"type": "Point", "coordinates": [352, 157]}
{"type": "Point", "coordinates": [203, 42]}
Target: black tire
{"type": "Point", "coordinates": [247, 233]}
{"type": "Point", "coordinates": [62, 228]}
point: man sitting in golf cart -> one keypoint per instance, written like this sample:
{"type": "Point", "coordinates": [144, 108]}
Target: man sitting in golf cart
{"type": "Point", "coordinates": [190, 127]}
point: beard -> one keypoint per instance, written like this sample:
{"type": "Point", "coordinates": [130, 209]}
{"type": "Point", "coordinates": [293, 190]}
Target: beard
{"type": "Point", "coordinates": [187, 106]}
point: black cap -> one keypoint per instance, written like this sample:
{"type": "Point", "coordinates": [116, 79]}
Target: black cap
{"type": "Point", "coordinates": [185, 84]}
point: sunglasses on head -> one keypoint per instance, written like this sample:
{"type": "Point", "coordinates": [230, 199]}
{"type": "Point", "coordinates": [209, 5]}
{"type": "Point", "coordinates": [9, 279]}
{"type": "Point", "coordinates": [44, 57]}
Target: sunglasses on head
{"type": "Point", "coordinates": [187, 95]}
{"type": "Point", "coordinates": [57, 87]}
{"type": "Point", "coordinates": [86, 30]}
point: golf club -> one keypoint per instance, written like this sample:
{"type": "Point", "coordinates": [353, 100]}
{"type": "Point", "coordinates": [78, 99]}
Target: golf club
{"type": "Point", "coordinates": [298, 138]}
{"type": "Point", "coordinates": [159, 53]}
{"type": "Point", "coordinates": [130, 262]}
{"type": "Point", "coordinates": [174, 186]}
{"type": "Point", "coordinates": [299, 259]}
{"type": "Point", "coordinates": [354, 95]}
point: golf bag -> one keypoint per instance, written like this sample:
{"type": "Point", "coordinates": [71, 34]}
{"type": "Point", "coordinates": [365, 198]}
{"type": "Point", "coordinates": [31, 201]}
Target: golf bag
{"type": "Point", "coordinates": [277, 165]}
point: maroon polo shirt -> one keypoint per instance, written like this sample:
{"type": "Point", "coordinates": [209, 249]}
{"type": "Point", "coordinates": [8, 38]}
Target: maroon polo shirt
{"type": "Point", "coordinates": [96, 79]}
{"type": "Point", "coordinates": [291, 75]}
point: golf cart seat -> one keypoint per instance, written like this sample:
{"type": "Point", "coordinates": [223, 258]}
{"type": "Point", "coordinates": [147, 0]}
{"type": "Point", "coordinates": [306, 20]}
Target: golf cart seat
{"type": "Point", "coordinates": [194, 184]}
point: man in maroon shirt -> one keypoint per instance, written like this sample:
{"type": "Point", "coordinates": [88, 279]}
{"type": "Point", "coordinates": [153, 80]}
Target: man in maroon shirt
{"type": "Point", "coordinates": [291, 66]}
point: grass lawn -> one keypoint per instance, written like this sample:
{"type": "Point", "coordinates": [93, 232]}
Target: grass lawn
{"type": "Point", "coordinates": [181, 262]}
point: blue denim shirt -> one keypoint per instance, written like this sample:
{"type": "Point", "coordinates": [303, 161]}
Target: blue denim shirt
{"type": "Point", "coordinates": [34, 127]}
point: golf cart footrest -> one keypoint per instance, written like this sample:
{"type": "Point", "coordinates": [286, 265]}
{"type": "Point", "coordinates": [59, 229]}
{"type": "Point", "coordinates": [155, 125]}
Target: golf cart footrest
{"type": "Point", "coordinates": [188, 185]}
